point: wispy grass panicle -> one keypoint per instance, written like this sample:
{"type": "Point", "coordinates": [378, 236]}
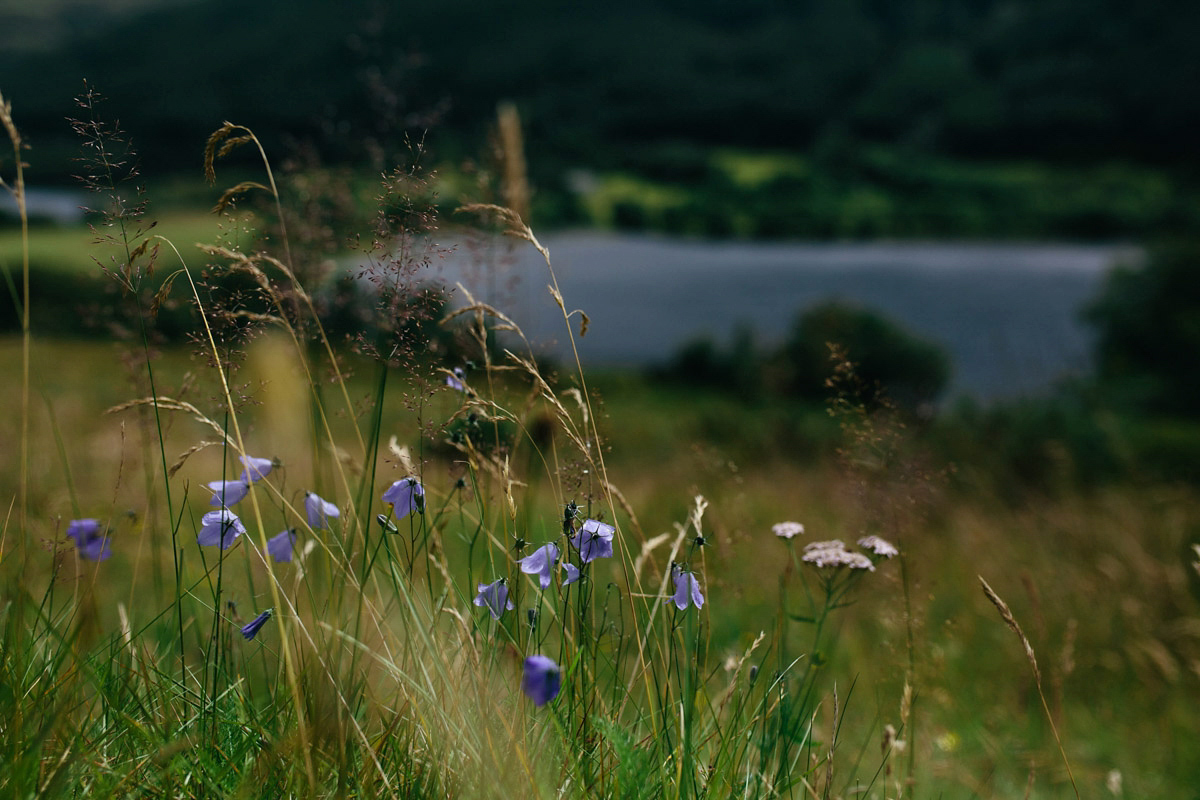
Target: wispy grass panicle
{"type": "Point", "coordinates": [111, 173]}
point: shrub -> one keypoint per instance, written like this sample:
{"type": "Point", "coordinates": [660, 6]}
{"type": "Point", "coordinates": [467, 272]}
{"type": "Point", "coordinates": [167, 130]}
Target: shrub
{"type": "Point", "coordinates": [910, 370]}
{"type": "Point", "coordinates": [1147, 319]}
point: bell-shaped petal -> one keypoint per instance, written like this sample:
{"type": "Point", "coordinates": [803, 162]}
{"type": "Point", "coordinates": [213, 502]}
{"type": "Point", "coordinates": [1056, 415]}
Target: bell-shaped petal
{"type": "Point", "coordinates": [90, 540]}
{"type": "Point", "coordinates": [406, 495]}
{"type": "Point", "coordinates": [541, 679]}
{"type": "Point", "coordinates": [687, 589]}
{"type": "Point", "coordinates": [251, 629]}
{"type": "Point", "coordinates": [221, 527]}
{"type": "Point", "coordinates": [494, 597]}
{"type": "Point", "coordinates": [280, 546]}
{"type": "Point", "coordinates": [319, 511]}
{"type": "Point", "coordinates": [227, 493]}
{"type": "Point", "coordinates": [572, 573]}
{"type": "Point", "coordinates": [455, 381]}
{"type": "Point", "coordinates": [594, 540]}
{"type": "Point", "coordinates": [255, 469]}
{"type": "Point", "coordinates": [541, 563]}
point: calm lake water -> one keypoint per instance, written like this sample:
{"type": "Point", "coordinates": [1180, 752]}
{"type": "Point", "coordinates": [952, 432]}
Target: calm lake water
{"type": "Point", "coordinates": [1008, 314]}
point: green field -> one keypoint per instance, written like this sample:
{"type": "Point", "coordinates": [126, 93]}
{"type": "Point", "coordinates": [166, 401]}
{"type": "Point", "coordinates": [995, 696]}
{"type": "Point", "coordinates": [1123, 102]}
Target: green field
{"type": "Point", "coordinates": [1099, 580]}
{"type": "Point", "coordinates": [429, 643]}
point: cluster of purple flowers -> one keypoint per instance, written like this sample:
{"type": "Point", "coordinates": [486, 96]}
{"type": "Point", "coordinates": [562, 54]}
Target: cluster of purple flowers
{"type": "Point", "coordinates": [594, 540]}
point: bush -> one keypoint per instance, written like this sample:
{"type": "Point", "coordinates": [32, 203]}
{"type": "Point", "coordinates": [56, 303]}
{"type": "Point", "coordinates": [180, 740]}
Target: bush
{"type": "Point", "coordinates": [1148, 324]}
{"type": "Point", "coordinates": [910, 370]}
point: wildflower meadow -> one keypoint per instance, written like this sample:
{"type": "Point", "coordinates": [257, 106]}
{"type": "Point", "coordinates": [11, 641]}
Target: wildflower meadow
{"type": "Point", "coordinates": [412, 558]}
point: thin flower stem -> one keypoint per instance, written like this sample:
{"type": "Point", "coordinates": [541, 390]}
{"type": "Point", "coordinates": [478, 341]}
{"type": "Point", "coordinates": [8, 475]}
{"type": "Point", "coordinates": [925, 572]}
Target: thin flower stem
{"type": "Point", "coordinates": [273, 583]}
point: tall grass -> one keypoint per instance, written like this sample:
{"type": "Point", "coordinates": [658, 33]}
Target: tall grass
{"type": "Point", "coordinates": [406, 649]}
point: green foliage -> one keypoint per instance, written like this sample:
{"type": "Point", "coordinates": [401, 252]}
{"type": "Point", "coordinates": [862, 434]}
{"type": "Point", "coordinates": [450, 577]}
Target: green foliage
{"type": "Point", "coordinates": [909, 370]}
{"type": "Point", "coordinates": [851, 189]}
{"type": "Point", "coordinates": [1056, 445]}
{"type": "Point", "coordinates": [649, 89]}
{"type": "Point", "coordinates": [1147, 320]}
{"type": "Point", "coordinates": [738, 369]}
{"type": "Point", "coordinates": [887, 358]}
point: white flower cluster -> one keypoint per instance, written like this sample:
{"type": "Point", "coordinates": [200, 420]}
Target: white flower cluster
{"type": "Point", "coordinates": [786, 530]}
{"type": "Point", "coordinates": [878, 546]}
{"type": "Point", "coordinates": [835, 554]}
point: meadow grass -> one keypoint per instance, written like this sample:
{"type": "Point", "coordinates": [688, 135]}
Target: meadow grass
{"type": "Point", "coordinates": [391, 664]}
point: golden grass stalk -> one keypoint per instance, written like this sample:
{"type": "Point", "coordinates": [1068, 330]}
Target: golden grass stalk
{"type": "Point", "coordinates": [18, 193]}
{"type": "Point", "coordinates": [1011, 621]}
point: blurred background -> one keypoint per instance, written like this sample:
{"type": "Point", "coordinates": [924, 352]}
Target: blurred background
{"type": "Point", "coordinates": [1066, 123]}
{"type": "Point", "coordinates": [950, 182]}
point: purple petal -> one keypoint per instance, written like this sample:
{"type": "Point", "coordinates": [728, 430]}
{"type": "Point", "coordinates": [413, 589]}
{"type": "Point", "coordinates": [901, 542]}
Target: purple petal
{"type": "Point", "coordinates": [83, 530]}
{"type": "Point", "coordinates": [494, 597]}
{"type": "Point", "coordinates": [227, 493]}
{"type": "Point", "coordinates": [91, 542]}
{"type": "Point", "coordinates": [319, 511]}
{"type": "Point", "coordinates": [255, 469]}
{"type": "Point", "coordinates": [541, 679]}
{"type": "Point", "coordinates": [279, 546]}
{"type": "Point", "coordinates": [541, 562]}
{"type": "Point", "coordinates": [697, 598]}
{"type": "Point", "coordinates": [687, 589]}
{"type": "Point", "coordinates": [252, 628]}
{"type": "Point", "coordinates": [406, 495]}
{"type": "Point", "coordinates": [572, 573]}
{"type": "Point", "coordinates": [594, 540]}
{"type": "Point", "coordinates": [220, 527]}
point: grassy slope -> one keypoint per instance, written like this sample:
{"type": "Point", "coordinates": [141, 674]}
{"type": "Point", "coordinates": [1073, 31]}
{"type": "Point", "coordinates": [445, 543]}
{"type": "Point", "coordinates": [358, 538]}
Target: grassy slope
{"type": "Point", "coordinates": [1098, 581]}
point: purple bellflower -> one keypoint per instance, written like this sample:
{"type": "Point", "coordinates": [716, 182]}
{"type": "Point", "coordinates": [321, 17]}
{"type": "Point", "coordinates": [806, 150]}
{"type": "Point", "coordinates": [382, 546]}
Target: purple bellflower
{"type": "Point", "coordinates": [255, 469]}
{"type": "Point", "coordinates": [541, 563]}
{"type": "Point", "coordinates": [594, 540]}
{"type": "Point", "coordinates": [572, 573]}
{"type": "Point", "coordinates": [250, 630]}
{"type": "Point", "coordinates": [406, 495]}
{"type": "Point", "coordinates": [227, 493]}
{"type": "Point", "coordinates": [319, 511]}
{"type": "Point", "coordinates": [90, 541]}
{"type": "Point", "coordinates": [280, 546]}
{"type": "Point", "coordinates": [220, 527]}
{"type": "Point", "coordinates": [541, 680]}
{"type": "Point", "coordinates": [455, 381]}
{"type": "Point", "coordinates": [494, 597]}
{"type": "Point", "coordinates": [687, 589]}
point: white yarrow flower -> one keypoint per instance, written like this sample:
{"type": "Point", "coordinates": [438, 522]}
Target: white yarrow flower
{"type": "Point", "coordinates": [786, 530]}
{"type": "Point", "coordinates": [878, 546]}
{"type": "Point", "coordinates": [834, 554]}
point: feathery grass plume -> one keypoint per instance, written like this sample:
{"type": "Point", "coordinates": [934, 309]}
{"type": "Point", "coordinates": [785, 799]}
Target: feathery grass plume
{"type": "Point", "coordinates": [398, 259]}
{"type": "Point", "coordinates": [1011, 621]}
{"type": "Point", "coordinates": [511, 148]}
{"type": "Point", "coordinates": [111, 173]}
{"type": "Point", "coordinates": [893, 486]}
